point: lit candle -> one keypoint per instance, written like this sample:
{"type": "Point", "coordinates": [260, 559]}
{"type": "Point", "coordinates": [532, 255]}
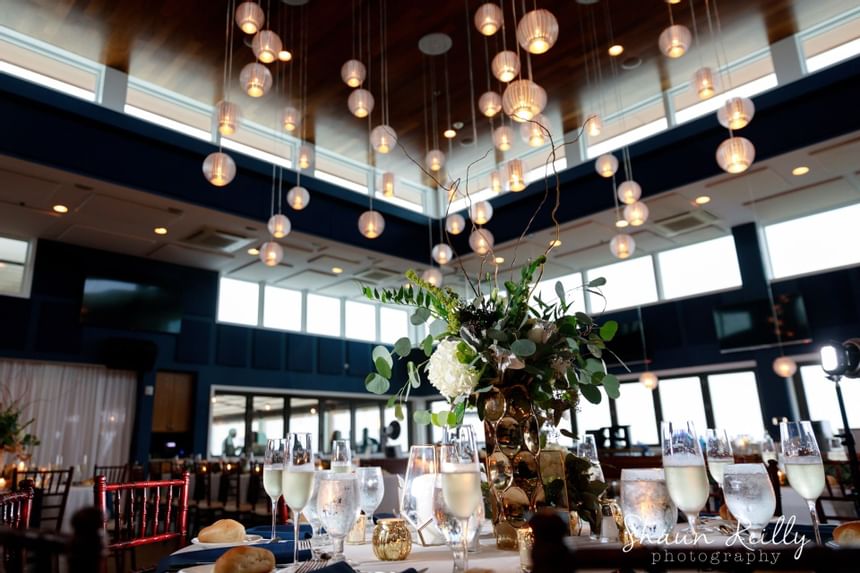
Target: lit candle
{"type": "Point", "coordinates": [2, 483]}
{"type": "Point", "coordinates": [21, 466]}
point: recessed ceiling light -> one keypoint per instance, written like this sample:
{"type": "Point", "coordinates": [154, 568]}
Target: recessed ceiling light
{"type": "Point", "coordinates": [336, 270]}
{"type": "Point", "coordinates": [555, 243]}
{"type": "Point", "coordinates": [449, 133]}
{"type": "Point", "coordinates": [160, 230]}
{"type": "Point", "coordinates": [621, 223]}
{"type": "Point", "coordinates": [702, 200]}
{"type": "Point", "coordinates": [616, 50]}
{"type": "Point", "coordinates": [631, 63]}
{"type": "Point", "coordinates": [800, 170]}
{"type": "Point", "coordinates": [499, 260]}
{"type": "Point", "coordinates": [313, 410]}
{"type": "Point", "coordinates": [253, 251]}
{"type": "Point", "coordinates": [60, 208]}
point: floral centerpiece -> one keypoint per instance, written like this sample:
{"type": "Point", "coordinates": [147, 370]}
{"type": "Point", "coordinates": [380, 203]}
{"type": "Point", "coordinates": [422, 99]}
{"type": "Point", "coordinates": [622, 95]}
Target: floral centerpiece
{"type": "Point", "coordinates": [15, 440]}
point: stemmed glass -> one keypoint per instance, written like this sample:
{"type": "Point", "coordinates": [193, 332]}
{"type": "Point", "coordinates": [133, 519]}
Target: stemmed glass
{"type": "Point", "coordinates": [749, 495]}
{"type": "Point", "coordinates": [311, 514]}
{"type": "Point", "coordinates": [341, 456]}
{"type": "Point", "coordinates": [273, 475]}
{"type": "Point", "coordinates": [298, 482]}
{"type": "Point", "coordinates": [371, 489]}
{"type": "Point", "coordinates": [587, 448]}
{"type": "Point", "coordinates": [460, 480]}
{"type": "Point", "coordinates": [718, 450]}
{"type": "Point", "coordinates": [684, 467]}
{"type": "Point", "coordinates": [416, 499]}
{"type": "Point", "coordinates": [803, 465]}
{"type": "Point", "coordinates": [768, 449]}
{"type": "Point", "coordinates": [337, 506]}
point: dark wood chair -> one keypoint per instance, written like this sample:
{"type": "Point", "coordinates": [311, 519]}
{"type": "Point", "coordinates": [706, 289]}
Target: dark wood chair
{"type": "Point", "coordinates": [230, 491]}
{"type": "Point", "coordinates": [142, 513]}
{"type": "Point", "coordinates": [205, 506]}
{"type": "Point", "coordinates": [114, 474]}
{"type": "Point", "coordinates": [838, 493]}
{"type": "Point", "coordinates": [36, 551]}
{"type": "Point", "coordinates": [52, 489]}
{"type": "Point", "coordinates": [15, 506]}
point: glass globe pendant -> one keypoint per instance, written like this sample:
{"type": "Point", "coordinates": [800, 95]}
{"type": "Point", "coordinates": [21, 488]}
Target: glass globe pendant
{"type": "Point", "coordinates": [505, 66]}
{"type": "Point", "coordinates": [736, 113]}
{"type": "Point", "coordinates": [784, 367]}
{"type": "Point", "coordinates": [455, 224]}
{"type": "Point", "coordinates": [534, 132]}
{"type": "Point", "coordinates": [606, 165]}
{"type": "Point", "coordinates": [674, 41]}
{"type": "Point", "coordinates": [353, 73]}
{"type": "Point", "coordinates": [488, 18]}
{"type": "Point", "coordinates": [481, 241]}
{"type": "Point", "coordinates": [290, 119]}
{"type": "Point", "coordinates": [594, 126]}
{"type": "Point", "coordinates": [622, 246]}
{"type": "Point", "coordinates": [523, 100]}
{"type": "Point", "coordinates": [279, 226]}
{"type": "Point", "coordinates": [503, 137]}
{"type": "Point", "coordinates": [735, 154]}
{"type": "Point", "coordinates": [442, 253]}
{"type": "Point", "coordinates": [496, 181]}
{"type": "Point", "coordinates": [432, 276]}
{"type": "Point", "coordinates": [537, 31]}
{"type": "Point", "coordinates": [219, 168]}
{"type": "Point", "coordinates": [227, 117]}
{"type": "Point", "coordinates": [250, 17]}
{"type": "Point", "coordinates": [298, 198]}
{"type": "Point", "coordinates": [256, 79]}
{"type": "Point", "coordinates": [371, 224]}
{"type": "Point", "coordinates": [388, 184]}
{"type": "Point", "coordinates": [267, 46]}
{"type": "Point", "coordinates": [383, 138]}
{"type": "Point", "coordinates": [490, 103]}
{"type": "Point", "coordinates": [434, 160]}
{"type": "Point", "coordinates": [360, 103]}
{"type": "Point", "coordinates": [629, 192]}
{"type": "Point", "coordinates": [481, 212]}
{"type": "Point", "coordinates": [636, 213]}
{"type": "Point", "coordinates": [306, 157]}
{"type": "Point", "coordinates": [649, 380]}
{"type": "Point", "coordinates": [271, 253]}
{"type": "Point", "coordinates": [516, 179]}
{"type": "Point", "coordinates": [703, 83]}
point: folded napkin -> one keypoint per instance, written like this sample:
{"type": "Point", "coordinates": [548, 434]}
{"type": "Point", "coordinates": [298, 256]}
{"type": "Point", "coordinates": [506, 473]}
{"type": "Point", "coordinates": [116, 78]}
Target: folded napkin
{"type": "Point", "coordinates": [283, 531]}
{"type": "Point", "coordinates": [343, 567]}
{"type": "Point", "coordinates": [283, 554]}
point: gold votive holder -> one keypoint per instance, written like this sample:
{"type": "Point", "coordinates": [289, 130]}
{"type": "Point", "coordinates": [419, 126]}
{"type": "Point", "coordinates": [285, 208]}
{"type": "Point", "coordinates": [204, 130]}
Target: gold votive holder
{"type": "Point", "coordinates": [391, 540]}
{"type": "Point", "coordinates": [525, 543]}
{"type": "Point", "coordinates": [357, 533]}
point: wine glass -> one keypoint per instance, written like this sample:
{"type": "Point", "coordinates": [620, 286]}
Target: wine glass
{"type": "Point", "coordinates": [587, 449]}
{"type": "Point", "coordinates": [803, 466]}
{"type": "Point", "coordinates": [768, 449]}
{"type": "Point", "coordinates": [749, 495]}
{"type": "Point", "coordinates": [371, 489]}
{"type": "Point", "coordinates": [416, 498]}
{"type": "Point", "coordinates": [337, 506]}
{"type": "Point", "coordinates": [451, 526]}
{"type": "Point", "coordinates": [273, 475]}
{"type": "Point", "coordinates": [298, 482]}
{"type": "Point", "coordinates": [718, 450]}
{"type": "Point", "coordinates": [460, 479]}
{"type": "Point", "coordinates": [684, 466]}
{"type": "Point", "coordinates": [310, 509]}
{"type": "Point", "coordinates": [341, 456]}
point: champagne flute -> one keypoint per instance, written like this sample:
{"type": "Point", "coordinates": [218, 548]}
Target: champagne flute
{"type": "Point", "coordinates": [749, 495]}
{"type": "Point", "coordinates": [273, 475]}
{"type": "Point", "coordinates": [684, 466]}
{"type": "Point", "coordinates": [341, 456]}
{"type": "Point", "coordinates": [718, 450]}
{"type": "Point", "coordinates": [337, 505]}
{"type": "Point", "coordinates": [298, 482]}
{"type": "Point", "coordinates": [460, 479]}
{"type": "Point", "coordinates": [371, 490]}
{"type": "Point", "coordinates": [803, 466]}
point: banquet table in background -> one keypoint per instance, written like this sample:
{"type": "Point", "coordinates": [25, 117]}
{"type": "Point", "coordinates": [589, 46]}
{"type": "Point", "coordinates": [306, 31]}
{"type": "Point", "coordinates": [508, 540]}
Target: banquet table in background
{"type": "Point", "coordinates": [80, 496]}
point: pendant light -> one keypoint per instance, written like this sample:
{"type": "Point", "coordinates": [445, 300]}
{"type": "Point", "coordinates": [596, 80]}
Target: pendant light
{"type": "Point", "coordinates": [298, 198]}
{"type": "Point", "coordinates": [488, 18]}
{"type": "Point", "coordinates": [305, 160]}
{"type": "Point", "coordinates": [271, 253]}
{"type": "Point", "coordinates": [503, 137]}
{"type": "Point", "coordinates": [649, 380]}
{"type": "Point", "coordinates": [537, 31]}
{"type": "Point", "coordinates": [704, 84]}
{"type": "Point", "coordinates": [279, 226]}
{"type": "Point", "coordinates": [360, 103]}
{"type": "Point", "coordinates": [496, 181]}
{"type": "Point", "coordinates": [674, 41]}
{"type": "Point", "coordinates": [505, 66]}
{"type": "Point", "coordinates": [371, 224]}
{"type": "Point", "coordinates": [388, 184]}
{"type": "Point", "coordinates": [594, 125]}
{"type": "Point", "coordinates": [481, 212]}
{"type": "Point", "coordinates": [735, 154]}
{"type": "Point", "coordinates": [606, 165]}
{"type": "Point", "coordinates": [481, 241]}
{"type": "Point", "coordinates": [629, 192]}
{"type": "Point", "coordinates": [219, 168]}
{"type": "Point", "coordinates": [516, 179]}
{"type": "Point", "coordinates": [432, 276]}
{"type": "Point", "coordinates": [784, 366]}
{"type": "Point", "coordinates": [736, 113]}
{"type": "Point", "coordinates": [255, 79]}
{"type": "Point", "coordinates": [250, 17]}
{"type": "Point", "coordinates": [490, 103]}
{"type": "Point", "coordinates": [434, 160]}
{"type": "Point", "coordinates": [290, 119]}
{"type": "Point", "coordinates": [523, 100]}
{"type": "Point", "coordinates": [353, 73]}
{"type": "Point", "coordinates": [383, 138]}
{"type": "Point", "coordinates": [622, 246]}
{"type": "Point", "coordinates": [636, 213]}
{"type": "Point", "coordinates": [455, 224]}
{"type": "Point", "coordinates": [442, 253]}
{"type": "Point", "coordinates": [227, 117]}
{"type": "Point", "coordinates": [266, 46]}
{"type": "Point", "coordinates": [534, 132]}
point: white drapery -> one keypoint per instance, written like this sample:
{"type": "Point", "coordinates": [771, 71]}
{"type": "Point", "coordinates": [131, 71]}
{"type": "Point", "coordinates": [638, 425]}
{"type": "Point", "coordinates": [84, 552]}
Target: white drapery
{"type": "Point", "coordinates": [78, 410]}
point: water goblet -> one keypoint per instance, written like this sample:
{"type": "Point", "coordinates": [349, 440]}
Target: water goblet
{"type": "Point", "coordinates": [337, 506]}
{"type": "Point", "coordinates": [749, 495]}
{"type": "Point", "coordinates": [371, 490]}
{"type": "Point", "coordinates": [313, 518]}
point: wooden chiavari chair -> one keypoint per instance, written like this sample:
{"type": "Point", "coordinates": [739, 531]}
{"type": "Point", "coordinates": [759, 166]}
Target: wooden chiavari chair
{"type": "Point", "coordinates": [15, 506]}
{"type": "Point", "coordinates": [114, 474]}
{"type": "Point", "coordinates": [52, 489]}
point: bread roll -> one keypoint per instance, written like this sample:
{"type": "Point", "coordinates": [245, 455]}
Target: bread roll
{"type": "Point", "coordinates": [245, 560]}
{"type": "Point", "coordinates": [725, 513]}
{"type": "Point", "coordinates": [848, 534]}
{"type": "Point", "coordinates": [222, 531]}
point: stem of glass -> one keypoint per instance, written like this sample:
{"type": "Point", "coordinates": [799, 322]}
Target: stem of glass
{"type": "Point", "coordinates": [815, 523]}
{"type": "Point", "coordinates": [274, 517]}
{"type": "Point", "coordinates": [296, 536]}
{"type": "Point", "coordinates": [692, 520]}
{"type": "Point", "coordinates": [338, 547]}
{"type": "Point", "coordinates": [460, 559]}
{"type": "Point", "coordinates": [464, 529]}
{"type": "Point", "coordinates": [755, 534]}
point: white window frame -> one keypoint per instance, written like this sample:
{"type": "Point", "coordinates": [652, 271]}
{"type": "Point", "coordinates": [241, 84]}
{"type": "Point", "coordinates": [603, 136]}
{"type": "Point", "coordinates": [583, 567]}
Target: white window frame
{"type": "Point", "coordinates": [29, 265]}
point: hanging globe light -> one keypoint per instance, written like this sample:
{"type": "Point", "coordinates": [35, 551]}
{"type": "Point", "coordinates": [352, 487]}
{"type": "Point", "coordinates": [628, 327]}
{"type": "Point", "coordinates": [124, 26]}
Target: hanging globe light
{"type": "Point", "coordinates": [383, 138]}
{"type": "Point", "coordinates": [629, 192]}
{"type": "Point", "coordinates": [250, 17]}
{"type": "Point", "coordinates": [496, 181]}
{"type": "Point", "coordinates": [219, 168]}
{"type": "Point", "coordinates": [271, 253]}
{"type": "Point", "coordinates": [226, 117]}
{"type": "Point", "coordinates": [388, 184]}
{"type": "Point", "coordinates": [490, 103]}
{"type": "Point", "coordinates": [371, 224]}
{"type": "Point", "coordinates": [434, 160]}
{"type": "Point", "coordinates": [534, 132]}
{"type": "Point", "coordinates": [649, 380]}
{"type": "Point", "coordinates": [674, 41]}
{"type": "Point", "coordinates": [636, 213]}
{"type": "Point", "coordinates": [784, 367]}
{"type": "Point", "coordinates": [481, 241]}
{"type": "Point", "coordinates": [594, 125]}
{"type": "Point", "coordinates": [523, 100]}
{"type": "Point", "coordinates": [279, 226]}
{"type": "Point", "coordinates": [735, 154]}
{"type": "Point", "coordinates": [516, 179]}
{"type": "Point", "coordinates": [703, 83]}
{"type": "Point", "coordinates": [537, 31]}
{"type": "Point", "coordinates": [353, 73]}
{"type": "Point", "coordinates": [360, 102]}
{"type": "Point", "coordinates": [481, 212]}
{"type": "Point", "coordinates": [606, 165]}
{"type": "Point", "coordinates": [503, 137]}
{"type": "Point", "coordinates": [305, 160]}
{"type": "Point", "coordinates": [622, 246]}
{"type": "Point", "coordinates": [505, 66]}
{"type": "Point", "coordinates": [488, 18]}
{"type": "Point", "coordinates": [455, 224]}
{"type": "Point", "coordinates": [256, 79]}
{"type": "Point", "coordinates": [736, 113]}
{"type": "Point", "coordinates": [266, 46]}
{"type": "Point", "coordinates": [442, 253]}
{"type": "Point", "coordinates": [432, 276]}
{"type": "Point", "coordinates": [298, 198]}
{"type": "Point", "coordinates": [290, 119]}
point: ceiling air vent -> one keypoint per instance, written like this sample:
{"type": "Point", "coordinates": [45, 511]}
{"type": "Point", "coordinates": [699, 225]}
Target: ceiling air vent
{"type": "Point", "coordinates": [215, 240]}
{"type": "Point", "coordinates": [376, 275]}
{"type": "Point", "coordinates": [684, 223]}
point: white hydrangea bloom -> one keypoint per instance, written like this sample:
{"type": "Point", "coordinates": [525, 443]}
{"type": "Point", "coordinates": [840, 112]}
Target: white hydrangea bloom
{"type": "Point", "coordinates": [447, 374]}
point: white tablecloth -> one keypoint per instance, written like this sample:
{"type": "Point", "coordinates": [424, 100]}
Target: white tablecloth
{"type": "Point", "coordinates": [80, 496]}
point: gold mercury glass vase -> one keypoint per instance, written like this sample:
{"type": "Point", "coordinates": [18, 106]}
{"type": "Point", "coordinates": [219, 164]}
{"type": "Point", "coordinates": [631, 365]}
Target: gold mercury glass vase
{"type": "Point", "coordinates": [391, 540]}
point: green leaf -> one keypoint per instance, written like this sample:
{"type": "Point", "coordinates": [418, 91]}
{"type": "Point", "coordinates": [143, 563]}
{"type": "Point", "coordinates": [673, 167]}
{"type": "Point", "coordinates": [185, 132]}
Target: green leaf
{"type": "Point", "coordinates": [496, 334]}
{"type": "Point", "coordinates": [613, 388]}
{"type": "Point", "coordinates": [412, 373]}
{"type": "Point", "coordinates": [439, 419]}
{"type": "Point", "coordinates": [403, 347]}
{"type": "Point", "coordinates": [594, 365]}
{"type": "Point", "coordinates": [381, 352]}
{"type": "Point", "coordinates": [583, 318]}
{"type": "Point", "coordinates": [523, 347]}
{"type": "Point", "coordinates": [598, 282]}
{"type": "Point", "coordinates": [438, 327]}
{"type": "Point", "coordinates": [595, 350]}
{"type": "Point", "coordinates": [559, 290]}
{"type": "Point", "coordinates": [451, 420]}
{"type": "Point", "coordinates": [427, 345]}
{"type": "Point", "coordinates": [376, 384]}
{"type": "Point", "coordinates": [391, 401]}
{"type": "Point", "coordinates": [421, 417]}
{"type": "Point", "coordinates": [383, 368]}
{"type": "Point", "coordinates": [420, 316]}
{"type": "Point", "coordinates": [398, 412]}
{"type": "Point", "coordinates": [608, 330]}
{"type": "Point", "coordinates": [591, 393]}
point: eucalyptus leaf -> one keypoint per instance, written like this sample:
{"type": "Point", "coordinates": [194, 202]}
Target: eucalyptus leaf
{"type": "Point", "coordinates": [594, 365]}
{"type": "Point", "coordinates": [427, 345]}
{"type": "Point", "coordinates": [398, 412]}
{"type": "Point", "coordinates": [382, 353]}
{"type": "Point", "coordinates": [421, 417]}
{"type": "Point", "coordinates": [420, 316]}
{"type": "Point", "coordinates": [608, 330]}
{"type": "Point", "coordinates": [412, 373]}
{"type": "Point", "coordinates": [403, 347]}
{"type": "Point", "coordinates": [613, 388]}
{"type": "Point", "coordinates": [591, 393]}
{"type": "Point", "coordinates": [598, 282]}
{"type": "Point", "coordinates": [376, 384]}
{"type": "Point", "coordinates": [383, 367]}
{"type": "Point", "coordinates": [559, 290]}
{"type": "Point", "coordinates": [498, 335]}
{"type": "Point", "coordinates": [451, 420]}
{"type": "Point", "coordinates": [523, 347]}
{"type": "Point", "coordinates": [584, 319]}
{"type": "Point", "coordinates": [438, 327]}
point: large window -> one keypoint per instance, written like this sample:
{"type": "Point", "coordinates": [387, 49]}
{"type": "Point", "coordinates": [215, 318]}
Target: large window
{"type": "Point", "coordinates": [814, 243]}
{"type": "Point", "coordinates": [592, 416]}
{"type": "Point", "coordinates": [323, 315]}
{"type": "Point", "coordinates": [360, 320]}
{"type": "Point", "coordinates": [735, 404]}
{"type": "Point", "coordinates": [681, 400]}
{"type": "Point", "coordinates": [821, 398]}
{"type": "Point", "coordinates": [367, 427]}
{"type": "Point", "coordinates": [14, 267]}
{"type": "Point", "coordinates": [573, 291]}
{"type": "Point", "coordinates": [702, 267]}
{"type": "Point", "coordinates": [336, 422]}
{"type": "Point", "coordinates": [635, 408]}
{"type": "Point", "coordinates": [227, 432]}
{"type": "Point", "coordinates": [267, 422]}
{"type": "Point", "coordinates": [393, 324]}
{"type": "Point", "coordinates": [304, 417]}
{"type": "Point", "coordinates": [282, 308]}
{"type": "Point", "coordinates": [628, 283]}
{"type": "Point", "coordinates": [238, 302]}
